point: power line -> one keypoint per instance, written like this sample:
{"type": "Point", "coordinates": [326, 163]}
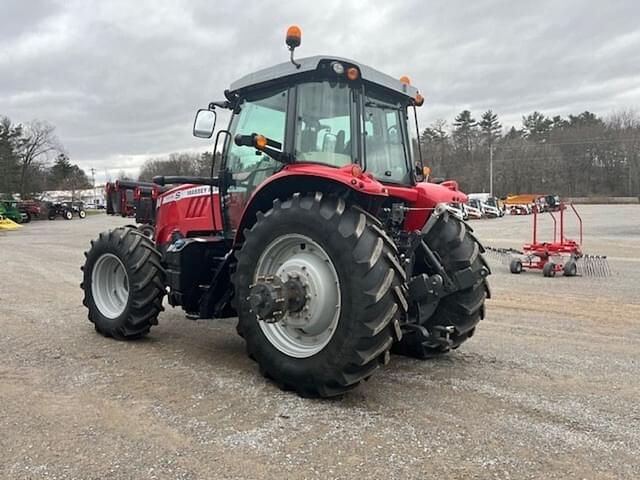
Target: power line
{"type": "Point", "coordinates": [583, 142]}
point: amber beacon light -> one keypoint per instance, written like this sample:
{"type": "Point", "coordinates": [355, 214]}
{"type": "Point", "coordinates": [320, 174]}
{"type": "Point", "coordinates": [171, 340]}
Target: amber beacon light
{"type": "Point", "coordinates": [294, 37]}
{"type": "Point", "coordinates": [293, 40]}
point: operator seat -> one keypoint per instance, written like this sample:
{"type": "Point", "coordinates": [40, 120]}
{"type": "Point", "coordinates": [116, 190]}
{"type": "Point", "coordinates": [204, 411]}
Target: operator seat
{"type": "Point", "coordinates": [340, 137]}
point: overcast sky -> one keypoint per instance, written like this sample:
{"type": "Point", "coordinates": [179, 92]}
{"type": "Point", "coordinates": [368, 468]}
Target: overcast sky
{"type": "Point", "coordinates": [121, 80]}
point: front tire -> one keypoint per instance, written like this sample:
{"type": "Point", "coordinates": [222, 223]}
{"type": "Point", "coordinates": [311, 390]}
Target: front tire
{"type": "Point", "coordinates": [68, 214]}
{"type": "Point", "coordinates": [147, 230]}
{"type": "Point", "coordinates": [123, 284]}
{"type": "Point", "coordinates": [359, 258]}
{"type": "Point", "coordinates": [82, 214]}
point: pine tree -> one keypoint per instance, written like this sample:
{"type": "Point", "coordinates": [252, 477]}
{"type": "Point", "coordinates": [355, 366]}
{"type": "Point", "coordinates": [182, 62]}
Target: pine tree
{"type": "Point", "coordinates": [490, 127]}
{"type": "Point", "coordinates": [465, 130]}
{"type": "Point", "coordinates": [536, 126]}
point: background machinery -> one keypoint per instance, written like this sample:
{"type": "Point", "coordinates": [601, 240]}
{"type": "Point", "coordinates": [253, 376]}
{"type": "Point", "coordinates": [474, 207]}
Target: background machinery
{"type": "Point", "coordinates": [561, 255]}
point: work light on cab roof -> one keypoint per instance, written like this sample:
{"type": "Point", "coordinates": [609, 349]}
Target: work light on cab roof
{"type": "Point", "coordinates": [317, 229]}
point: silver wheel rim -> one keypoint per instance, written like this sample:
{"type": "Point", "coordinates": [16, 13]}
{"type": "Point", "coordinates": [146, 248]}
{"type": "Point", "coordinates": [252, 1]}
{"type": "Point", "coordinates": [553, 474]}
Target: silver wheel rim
{"type": "Point", "coordinates": [305, 333]}
{"type": "Point", "coordinates": [110, 286]}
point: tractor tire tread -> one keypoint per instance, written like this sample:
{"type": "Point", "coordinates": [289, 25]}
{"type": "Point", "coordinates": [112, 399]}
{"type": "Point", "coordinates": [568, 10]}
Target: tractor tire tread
{"type": "Point", "coordinates": [146, 279]}
{"type": "Point", "coordinates": [452, 242]}
{"type": "Point", "coordinates": [365, 333]}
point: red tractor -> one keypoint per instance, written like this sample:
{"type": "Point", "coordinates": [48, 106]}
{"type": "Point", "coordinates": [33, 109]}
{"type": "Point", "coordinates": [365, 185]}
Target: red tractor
{"type": "Point", "coordinates": [134, 199]}
{"type": "Point", "coordinates": [318, 233]}
{"type": "Point", "coordinates": [120, 199]}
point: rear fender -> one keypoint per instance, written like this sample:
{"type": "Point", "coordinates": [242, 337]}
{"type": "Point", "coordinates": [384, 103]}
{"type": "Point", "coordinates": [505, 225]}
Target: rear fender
{"type": "Point", "coordinates": [423, 197]}
{"type": "Point", "coordinates": [307, 178]}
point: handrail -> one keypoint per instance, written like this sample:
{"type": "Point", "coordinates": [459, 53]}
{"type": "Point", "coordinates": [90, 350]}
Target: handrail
{"type": "Point", "coordinates": [579, 220]}
{"type": "Point", "coordinates": [555, 226]}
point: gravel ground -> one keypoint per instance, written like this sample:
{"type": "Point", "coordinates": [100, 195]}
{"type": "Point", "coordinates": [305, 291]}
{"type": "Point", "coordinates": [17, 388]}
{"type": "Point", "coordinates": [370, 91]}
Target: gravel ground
{"type": "Point", "coordinates": [547, 388]}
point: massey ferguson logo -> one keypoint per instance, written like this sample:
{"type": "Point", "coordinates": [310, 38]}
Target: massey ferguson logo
{"type": "Point", "coordinates": [188, 193]}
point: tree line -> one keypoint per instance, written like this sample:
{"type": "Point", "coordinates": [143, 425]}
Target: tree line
{"type": "Point", "coordinates": [578, 155]}
{"type": "Point", "coordinates": [32, 160]}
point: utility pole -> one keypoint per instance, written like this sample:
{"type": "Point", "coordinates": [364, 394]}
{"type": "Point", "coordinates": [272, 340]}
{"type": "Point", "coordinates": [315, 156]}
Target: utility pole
{"type": "Point", "coordinates": [491, 170]}
{"type": "Point", "coordinates": [93, 180]}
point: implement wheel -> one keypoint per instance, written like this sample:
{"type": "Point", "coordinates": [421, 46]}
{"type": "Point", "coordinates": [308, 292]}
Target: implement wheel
{"type": "Point", "coordinates": [570, 268]}
{"type": "Point", "coordinates": [317, 288]}
{"type": "Point", "coordinates": [515, 266]}
{"type": "Point", "coordinates": [549, 269]}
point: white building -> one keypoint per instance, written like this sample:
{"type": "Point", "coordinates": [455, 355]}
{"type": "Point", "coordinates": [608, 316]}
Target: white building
{"type": "Point", "coordinates": [90, 196]}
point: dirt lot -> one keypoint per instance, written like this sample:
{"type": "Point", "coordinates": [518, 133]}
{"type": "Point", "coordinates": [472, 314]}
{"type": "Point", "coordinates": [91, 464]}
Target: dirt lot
{"type": "Point", "coordinates": [548, 387]}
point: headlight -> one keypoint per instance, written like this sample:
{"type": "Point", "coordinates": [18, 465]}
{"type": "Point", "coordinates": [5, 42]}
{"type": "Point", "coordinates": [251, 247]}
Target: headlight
{"type": "Point", "coordinates": [337, 67]}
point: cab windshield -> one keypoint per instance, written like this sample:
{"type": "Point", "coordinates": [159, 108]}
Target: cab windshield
{"type": "Point", "coordinates": [327, 115]}
{"type": "Point", "coordinates": [323, 124]}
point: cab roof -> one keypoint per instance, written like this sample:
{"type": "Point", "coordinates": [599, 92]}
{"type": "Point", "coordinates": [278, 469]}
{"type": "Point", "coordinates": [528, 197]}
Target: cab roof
{"type": "Point", "coordinates": [309, 64]}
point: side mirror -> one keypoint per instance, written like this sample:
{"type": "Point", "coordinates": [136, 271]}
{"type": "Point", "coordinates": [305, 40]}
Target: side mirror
{"type": "Point", "coordinates": [204, 124]}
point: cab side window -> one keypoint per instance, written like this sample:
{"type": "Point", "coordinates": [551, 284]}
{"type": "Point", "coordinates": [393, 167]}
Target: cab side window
{"type": "Point", "coordinates": [265, 116]}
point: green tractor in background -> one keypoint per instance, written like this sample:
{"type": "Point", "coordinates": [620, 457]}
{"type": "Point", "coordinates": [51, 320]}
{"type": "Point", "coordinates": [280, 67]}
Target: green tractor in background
{"type": "Point", "coordinates": [9, 209]}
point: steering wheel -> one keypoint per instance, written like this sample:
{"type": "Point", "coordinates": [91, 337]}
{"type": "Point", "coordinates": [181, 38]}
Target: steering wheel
{"type": "Point", "coordinates": [250, 179]}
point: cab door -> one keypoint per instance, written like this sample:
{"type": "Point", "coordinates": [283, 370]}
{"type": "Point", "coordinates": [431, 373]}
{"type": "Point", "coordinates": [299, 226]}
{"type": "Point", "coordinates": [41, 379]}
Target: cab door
{"type": "Point", "coordinates": [246, 168]}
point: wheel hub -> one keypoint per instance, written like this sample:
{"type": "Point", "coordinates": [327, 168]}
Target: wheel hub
{"type": "Point", "coordinates": [110, 285]}
{"type": "Point", "coordinates": [271, 299]}
{"type": "Point", "coordinates": [296, 295]}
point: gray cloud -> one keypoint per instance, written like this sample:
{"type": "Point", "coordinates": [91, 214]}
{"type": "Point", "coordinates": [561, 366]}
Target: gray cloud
{"type": "Point", "coordinates": [121, 80]}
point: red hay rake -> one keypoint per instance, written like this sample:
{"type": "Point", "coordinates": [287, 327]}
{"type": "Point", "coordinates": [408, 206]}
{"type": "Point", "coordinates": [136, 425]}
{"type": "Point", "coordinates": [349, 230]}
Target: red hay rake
{"type": "Point", "coordinates": [562, 255]}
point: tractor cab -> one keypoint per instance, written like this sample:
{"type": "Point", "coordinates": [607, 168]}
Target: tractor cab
{"type": "Point", "coordinates": [330, 111]}
{"type": "Point", "coordinates": [304, 116]}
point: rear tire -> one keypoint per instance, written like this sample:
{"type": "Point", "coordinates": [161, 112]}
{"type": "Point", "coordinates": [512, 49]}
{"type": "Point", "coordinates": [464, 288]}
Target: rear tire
{"type": "Point", "coordinates": [123, 284]}
{"type": "Point", "coordinates": [363, 260]}
{"type": "Point", "coordinates": [451, 240]}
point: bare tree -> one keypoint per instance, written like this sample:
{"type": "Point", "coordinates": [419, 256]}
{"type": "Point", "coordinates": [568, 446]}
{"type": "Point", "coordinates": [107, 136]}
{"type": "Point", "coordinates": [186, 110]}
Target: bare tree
{"type": "Point", "coordinates": [38, 141]}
